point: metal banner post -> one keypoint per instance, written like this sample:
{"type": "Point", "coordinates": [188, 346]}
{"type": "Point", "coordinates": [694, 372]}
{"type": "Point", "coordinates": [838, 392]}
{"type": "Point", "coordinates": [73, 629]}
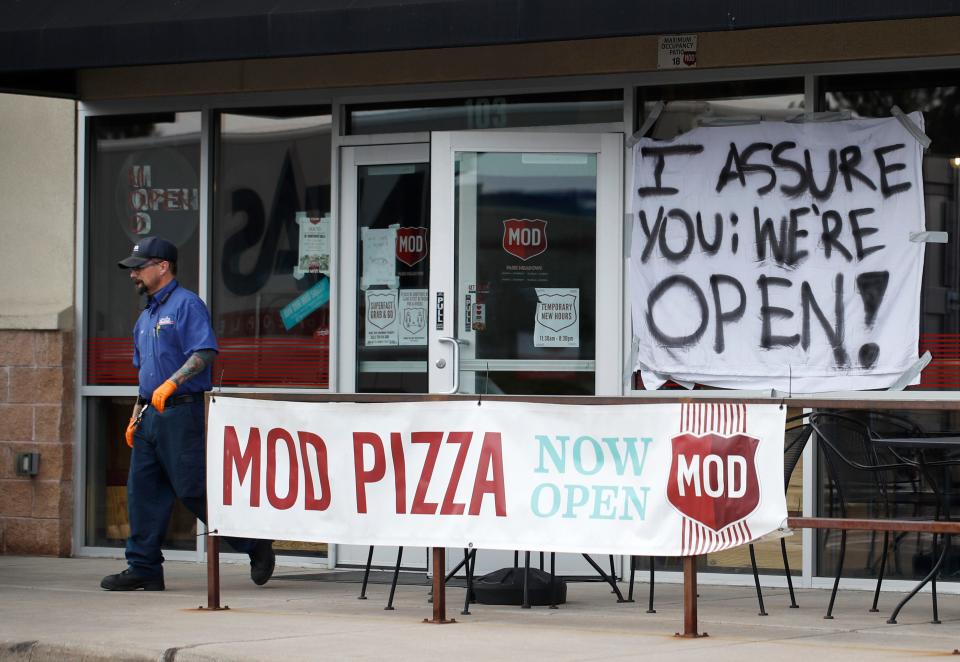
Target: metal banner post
{"type": "Point", "coordinates": [690, 599]}
{"type": "Point", "coordinates": [213, 573]}
{"type": "Point", "coordinates": [439, 589]}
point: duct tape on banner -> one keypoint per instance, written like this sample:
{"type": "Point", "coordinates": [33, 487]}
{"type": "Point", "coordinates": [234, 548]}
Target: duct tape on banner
{"type": "Point", "coordinates": [911, 373]}
{"type": "Point", "coordinates": [647, 124]}
{"type": "Point", "coordinates": [910, 126]}
{"type": "Point", "coordinates": [929, 237]}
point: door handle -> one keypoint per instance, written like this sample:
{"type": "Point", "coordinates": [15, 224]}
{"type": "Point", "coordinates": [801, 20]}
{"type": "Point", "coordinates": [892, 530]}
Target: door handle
{"type": "Point", "coordinates": [455, 363]}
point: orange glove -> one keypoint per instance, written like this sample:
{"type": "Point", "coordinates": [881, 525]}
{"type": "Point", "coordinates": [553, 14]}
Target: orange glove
{"type": "Point", "coordinates": [130, 429]}
{"type": "Point", "coordinates": [159, 397]}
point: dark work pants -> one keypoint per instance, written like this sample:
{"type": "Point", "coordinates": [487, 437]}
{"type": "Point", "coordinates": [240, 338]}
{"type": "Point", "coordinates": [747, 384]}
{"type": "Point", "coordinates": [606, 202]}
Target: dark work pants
{"type": "Point", "coordinates": [168, 463]}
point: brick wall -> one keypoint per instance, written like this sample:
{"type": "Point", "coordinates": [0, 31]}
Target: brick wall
{"type": "Point", "coordinates": [37, 415]}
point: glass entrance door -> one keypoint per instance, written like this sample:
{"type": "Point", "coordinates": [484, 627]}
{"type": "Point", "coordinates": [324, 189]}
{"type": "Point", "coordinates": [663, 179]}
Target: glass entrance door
{"type": "Point", "coordinates": [385, 223]}
{"type": "Point", "coordinates": [526, 268]}
{"type": "Point", "coordinates": [526, 273]}
{"type": "Point", "coordinates": [488, 262]}
{"type": "Point", "coordinates": [385, 203]}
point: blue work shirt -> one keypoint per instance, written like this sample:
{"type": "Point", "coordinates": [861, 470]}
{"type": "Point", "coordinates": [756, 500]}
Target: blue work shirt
{"type": "Point", "coordinates": [173, 326]}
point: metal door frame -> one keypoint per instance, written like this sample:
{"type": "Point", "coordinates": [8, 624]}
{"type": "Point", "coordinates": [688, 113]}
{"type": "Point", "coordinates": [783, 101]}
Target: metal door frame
{"type": "Point", "coordinates": [444, 354]}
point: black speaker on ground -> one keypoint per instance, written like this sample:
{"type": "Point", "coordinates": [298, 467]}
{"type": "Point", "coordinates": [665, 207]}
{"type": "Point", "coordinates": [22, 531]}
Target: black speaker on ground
{"type": "Point", "coordinates": [505, 587]}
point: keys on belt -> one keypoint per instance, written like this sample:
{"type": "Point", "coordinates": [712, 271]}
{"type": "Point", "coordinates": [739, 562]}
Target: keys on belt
{"type": "Point", "coordinates": [173, 401]}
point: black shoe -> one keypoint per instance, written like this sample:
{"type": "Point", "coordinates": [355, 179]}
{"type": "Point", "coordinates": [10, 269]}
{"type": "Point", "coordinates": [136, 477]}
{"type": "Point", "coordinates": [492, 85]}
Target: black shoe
{"type": "Point", "coordinates": [262, 562]}
{"type": "Point", "coordinates": [130, 581]}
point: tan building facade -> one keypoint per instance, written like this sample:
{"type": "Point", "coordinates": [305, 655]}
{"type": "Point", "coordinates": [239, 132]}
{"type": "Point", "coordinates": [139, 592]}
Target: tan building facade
{"type": "Point", "coordinates": [232, 155]}
{"type": "Point", "coordinates": [37, 366]}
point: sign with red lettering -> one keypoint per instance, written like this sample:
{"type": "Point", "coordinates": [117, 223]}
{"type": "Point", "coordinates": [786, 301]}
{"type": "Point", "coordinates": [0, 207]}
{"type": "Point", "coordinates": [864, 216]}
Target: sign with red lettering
{"type": "Point", "coordinates": [524, 237]}
{"type": "Point", "coordinates": [614, 479]}
{"type": "Point", "coordinates": [158, 192]}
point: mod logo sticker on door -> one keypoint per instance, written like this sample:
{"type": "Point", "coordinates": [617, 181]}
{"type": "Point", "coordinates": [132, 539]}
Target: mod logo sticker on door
{"type": "Point", "coordinates": [412, 245]}
{"type": "Point", "coordinates": [524, 237]}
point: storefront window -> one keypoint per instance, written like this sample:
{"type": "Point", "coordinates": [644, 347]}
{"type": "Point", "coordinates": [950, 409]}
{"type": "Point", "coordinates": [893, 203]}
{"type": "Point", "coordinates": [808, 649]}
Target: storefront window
{"type": "Point", "coordinates": [938, 98]}
{"type": "Point", "coordinates": [108, 463]}
{"type": "Point", "coordinates": [493, 112]}
{"type": "Point", "coordinates": [393, 221]}
{"type": "Point", "coordinates": [897, 493]}
{"type": "Point", "coordinates": [687, 106]}
{"type": "Point", "coordinates": [911, 556]}
{"type": "Point", "coordinates": [527, 228]}
{"type": "Point", "coordinates": [144, 181]}
{"type": "Point", "coordinates": [272, 247]}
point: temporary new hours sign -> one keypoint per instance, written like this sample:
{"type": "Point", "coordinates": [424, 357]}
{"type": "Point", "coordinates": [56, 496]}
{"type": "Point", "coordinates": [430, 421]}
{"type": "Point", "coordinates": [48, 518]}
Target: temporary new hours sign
{"type": "Point", "coordinates": [634, 479]}
{"type": "Point", "coordinates": [778, 255]}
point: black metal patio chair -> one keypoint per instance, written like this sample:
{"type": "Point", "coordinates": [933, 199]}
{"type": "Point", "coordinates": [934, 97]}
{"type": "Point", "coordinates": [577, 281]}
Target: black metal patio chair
{"type": "Point", "coordinates": [937, 479]}
{"type": "Point", "coordinates": [847, 451]}
{"type": "Point", "coordinates": [797, 435]}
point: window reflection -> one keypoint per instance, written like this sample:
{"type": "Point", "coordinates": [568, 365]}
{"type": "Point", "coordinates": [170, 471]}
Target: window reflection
{"type": "Point", "coordinates": [492, 112]}
{"type": "Point", "coordinates": [527, 271]}
{"type": "Point", "coordinates": [272, 248]}
{"type": "Point", "coordinates": [144, 181]}
{"type": "Point", "coordinates": [684, 109]}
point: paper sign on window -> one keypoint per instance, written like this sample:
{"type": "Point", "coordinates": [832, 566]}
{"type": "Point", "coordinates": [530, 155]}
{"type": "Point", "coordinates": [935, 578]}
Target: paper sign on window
{"type": "Point", "coordinates": [558, 317]}
{"type": "Point", "coordinates": [314, 257]}
{"type": "Point", "coordinates": [379, 257]}
{"type": "Point", "coordinates": [381, 318]}
{"type": "Point", "coordinates": [413, 317]}
{"type": "Point", "coordinates": [300, 308]}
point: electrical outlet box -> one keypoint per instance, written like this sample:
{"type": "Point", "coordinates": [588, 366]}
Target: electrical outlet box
{"type": "Point", "coordinates": [28, 464]}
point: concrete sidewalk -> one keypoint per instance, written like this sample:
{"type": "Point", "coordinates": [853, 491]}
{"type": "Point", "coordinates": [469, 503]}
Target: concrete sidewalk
{"type": "Point", "coordinates": [53, 609]}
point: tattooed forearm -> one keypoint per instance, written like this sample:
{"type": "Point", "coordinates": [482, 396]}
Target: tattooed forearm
{"type": "Point", "coordinates": [193, 366]}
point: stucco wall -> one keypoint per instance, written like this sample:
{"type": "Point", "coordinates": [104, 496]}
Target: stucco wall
{"type": "Point", "coordinates": [37, 220]}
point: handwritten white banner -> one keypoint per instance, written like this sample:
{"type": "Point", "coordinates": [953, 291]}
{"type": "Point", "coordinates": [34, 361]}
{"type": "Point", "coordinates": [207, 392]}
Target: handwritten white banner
{"type": "Point", "coordinates": [778, 255]}
{"type": "Point", "coordinates": [663, 480]}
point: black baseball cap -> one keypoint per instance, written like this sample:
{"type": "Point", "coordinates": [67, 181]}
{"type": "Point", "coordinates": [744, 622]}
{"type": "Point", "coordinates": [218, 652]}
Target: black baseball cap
{"type": "Point", "coordinates": [147, 249]}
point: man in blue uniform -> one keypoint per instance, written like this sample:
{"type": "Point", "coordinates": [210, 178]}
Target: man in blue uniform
{"type": "Point", "coordinates": [174, 348]}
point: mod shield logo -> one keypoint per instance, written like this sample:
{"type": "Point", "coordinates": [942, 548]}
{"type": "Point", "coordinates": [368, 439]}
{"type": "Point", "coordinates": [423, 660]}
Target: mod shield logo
{"type": "Point", "coordinates": [411, 245]}
{"type": "Point", "coordinates": [524, 237]}
{"type": "Point", "coordinates": [713, 478]}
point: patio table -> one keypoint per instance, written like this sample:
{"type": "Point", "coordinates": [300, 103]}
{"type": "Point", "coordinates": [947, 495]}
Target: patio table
{"type": "Point", "coordinates": [941, 442]}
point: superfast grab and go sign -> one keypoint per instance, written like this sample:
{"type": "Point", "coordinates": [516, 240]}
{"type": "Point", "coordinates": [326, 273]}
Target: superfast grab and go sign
{"type": "Point", "coordinates": [658, 480]}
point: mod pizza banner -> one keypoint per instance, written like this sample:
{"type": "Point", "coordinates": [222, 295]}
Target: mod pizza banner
{"type": "Point", "coordinates": [778, 255]}
{"type": "Point", "coordinates": [658, 480]}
